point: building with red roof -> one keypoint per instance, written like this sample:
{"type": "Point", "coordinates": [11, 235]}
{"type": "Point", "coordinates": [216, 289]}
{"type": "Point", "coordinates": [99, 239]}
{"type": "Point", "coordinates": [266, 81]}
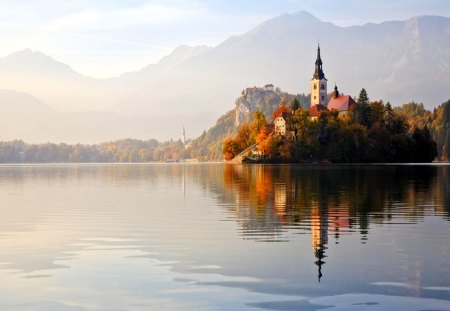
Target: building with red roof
{"type": "Point", "coordinates": [341, 103]}
{"type": "Point", "coordinates": [315, 110]}
{"type": "Point", "coordinates": [280, 118]}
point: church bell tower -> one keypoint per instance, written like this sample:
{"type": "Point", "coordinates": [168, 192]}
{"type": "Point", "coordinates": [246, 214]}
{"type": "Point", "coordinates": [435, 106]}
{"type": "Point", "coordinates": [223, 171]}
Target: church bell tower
{"type": "Point", "coordinates": [318, 83]}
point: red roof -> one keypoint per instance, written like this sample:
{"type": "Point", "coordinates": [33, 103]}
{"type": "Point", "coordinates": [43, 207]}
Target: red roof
{"type": "Point", "coordinates": [341, 103]}
{"type": "Point", "coordinates": [282, 111]}
{"type": "Point", "coordinates": [315, 110]}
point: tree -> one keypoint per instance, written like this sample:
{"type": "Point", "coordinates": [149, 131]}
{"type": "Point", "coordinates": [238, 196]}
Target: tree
{"type": "Point", "coordinates": [377, 112]}
{"type": "Point", "coordinates": [230, 148]}
{"type": "Point", "coordinates": [363, 99]}
{"type": "Point", "coordinates": [425, 149]}
{"type": "Point", "coordinates": [244, 137]}
{"type": "Point", "coordinates": [258, 124]}
{"type": "Point", "coordinates": [389, 116]}
{"type": "Point", "coordinates": [261, 139]}
{"type": "Point", "coordinates": [362, 109]}
{"type": "Point", "coordinates": [295, 104]}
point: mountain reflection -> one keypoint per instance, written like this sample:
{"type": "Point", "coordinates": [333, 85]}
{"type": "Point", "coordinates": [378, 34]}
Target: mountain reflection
{"type": "Point", "coordinates": [333, 200]}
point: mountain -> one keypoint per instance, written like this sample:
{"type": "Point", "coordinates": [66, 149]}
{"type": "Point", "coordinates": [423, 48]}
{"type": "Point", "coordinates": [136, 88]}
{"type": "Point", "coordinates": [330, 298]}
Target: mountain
{"type": "Point", "coordinates": [181, 54]}
{"type": "Point", "coordinates": [397, 61]}
{"type": "Point", "coordinates": [35, 62]}
{"type": "Point", "coordinates": [22, 116]}
{"type": "Point", "coordinates": [53, 82]}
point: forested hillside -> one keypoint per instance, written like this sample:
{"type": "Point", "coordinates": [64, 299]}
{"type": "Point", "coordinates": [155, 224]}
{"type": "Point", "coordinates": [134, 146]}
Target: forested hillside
{"type": "Point", "coordinates": [437, 121]}
{"type": "Point", "coordinates": [208, 146]}
{"type": "Point", "coordinates": [369, 132]}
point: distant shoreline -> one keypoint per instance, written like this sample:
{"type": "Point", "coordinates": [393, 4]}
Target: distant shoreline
{"type": "Point", "coordinates": [55, 164]}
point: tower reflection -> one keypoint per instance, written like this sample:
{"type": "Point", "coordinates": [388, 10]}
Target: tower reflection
{"type": "Point", "coordinates": [330, 202]}
{"type": "Point", "coordinates": [319, 234]}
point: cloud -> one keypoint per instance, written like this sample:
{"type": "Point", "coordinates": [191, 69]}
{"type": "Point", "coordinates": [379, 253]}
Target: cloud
{"type": "Point", "coordinates": [97, 20]}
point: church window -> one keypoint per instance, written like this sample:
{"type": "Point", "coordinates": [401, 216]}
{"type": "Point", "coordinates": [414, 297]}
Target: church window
{"type": "Point", "coordinates": [314, 97]}
{"type": "Point", "coordinates": [323, 97]}
{"type": "Point", "coordinates": [322, 87]}
{"type": "Point", "coordinates": [315, 86]}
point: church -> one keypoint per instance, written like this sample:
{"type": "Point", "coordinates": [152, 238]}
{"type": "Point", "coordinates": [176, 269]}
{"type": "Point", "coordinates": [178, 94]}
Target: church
{"type": "Point", "coordinates": [319, 97]}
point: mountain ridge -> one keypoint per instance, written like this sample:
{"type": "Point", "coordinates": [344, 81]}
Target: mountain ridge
{"type": "Point", "coordinates": [397, 61]}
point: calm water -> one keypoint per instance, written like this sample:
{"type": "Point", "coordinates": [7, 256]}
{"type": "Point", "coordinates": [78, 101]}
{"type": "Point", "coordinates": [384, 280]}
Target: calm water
{"type": "Point", "coordinates": [220, 237]}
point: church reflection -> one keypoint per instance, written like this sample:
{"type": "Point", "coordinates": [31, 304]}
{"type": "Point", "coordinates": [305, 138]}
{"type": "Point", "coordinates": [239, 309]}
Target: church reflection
{"type": "Point", "coordinates": [328, 202]}
{"type": "Point", "coordinates": [319, 234]}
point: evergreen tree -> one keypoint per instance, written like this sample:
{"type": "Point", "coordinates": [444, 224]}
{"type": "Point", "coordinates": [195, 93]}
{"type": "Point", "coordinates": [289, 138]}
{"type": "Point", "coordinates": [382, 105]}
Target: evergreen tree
{"type": "Point", "coordinates": [363, 109]}
{"type": "Point", "coordinates": [295, 104]}
{"type": "Point", "coordinates": [389, 116]}
{"type": "Point", "coordinates": [363, 99]}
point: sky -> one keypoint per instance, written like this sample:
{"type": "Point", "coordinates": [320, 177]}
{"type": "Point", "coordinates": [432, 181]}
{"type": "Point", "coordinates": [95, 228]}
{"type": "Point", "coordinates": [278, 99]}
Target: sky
{"type": "Point", "coordinates": [105, 38]}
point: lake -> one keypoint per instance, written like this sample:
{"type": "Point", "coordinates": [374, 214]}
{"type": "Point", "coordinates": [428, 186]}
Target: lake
{"type": "Point", "coordinates": [224, 237]}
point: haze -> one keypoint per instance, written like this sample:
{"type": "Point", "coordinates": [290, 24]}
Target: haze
{"type": "Point", "coordinates": [107, 38]}
{"type": "Point", "coordinates": [90, 71]}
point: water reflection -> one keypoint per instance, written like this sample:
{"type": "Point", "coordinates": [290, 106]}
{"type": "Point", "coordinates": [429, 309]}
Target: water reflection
{"type": "Point", "coordinates": [334, 200]}
{"type": "Point", "coordinates": [277, 237]}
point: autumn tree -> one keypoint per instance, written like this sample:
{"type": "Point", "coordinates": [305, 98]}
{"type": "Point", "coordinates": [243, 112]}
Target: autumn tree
{"type": "Point", "coordinates": [230, 148]}
{"type": "Point", "coordinates": [259, 123]}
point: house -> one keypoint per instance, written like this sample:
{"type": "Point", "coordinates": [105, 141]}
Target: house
{"type": "Point", "coordinates": [281, 118]}
{"type": "Point", "coordinates": [341, 103]}
{"type": "Point", "coordinates": [280, 123]}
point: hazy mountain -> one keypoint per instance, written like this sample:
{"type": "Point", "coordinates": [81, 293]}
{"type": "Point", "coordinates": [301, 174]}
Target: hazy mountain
{"type": "Point", "coordinates": [22, 116]}
{"type": "Point", "coordinates": [397, 61]}
{"type": "Point", "coordinates": [181, 54]}
{"type": "Point", "coordinates": [53, 82]}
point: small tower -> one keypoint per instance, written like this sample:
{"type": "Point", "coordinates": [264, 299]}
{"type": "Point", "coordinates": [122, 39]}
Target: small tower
{"type": "Point", "coordinates": [318, 83]}
{"type": "Point", "coordinates": [336, 92]}
{"type": "Point", "coordinates": [183, 137]}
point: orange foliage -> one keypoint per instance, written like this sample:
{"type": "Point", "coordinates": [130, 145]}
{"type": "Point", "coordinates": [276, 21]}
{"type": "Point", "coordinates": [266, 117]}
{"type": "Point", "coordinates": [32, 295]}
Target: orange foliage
{"type": "Point", "coordinates": [230, 148]}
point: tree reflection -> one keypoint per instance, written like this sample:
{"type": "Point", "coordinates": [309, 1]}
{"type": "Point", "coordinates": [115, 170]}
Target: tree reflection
{"type": "Point", "coordinates": [333, 200]}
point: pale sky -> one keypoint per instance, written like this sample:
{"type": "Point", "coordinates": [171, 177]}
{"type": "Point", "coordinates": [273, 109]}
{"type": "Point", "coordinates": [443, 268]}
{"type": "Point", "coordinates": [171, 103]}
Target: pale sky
{"type": "Point", "coordinates": [104, 38]}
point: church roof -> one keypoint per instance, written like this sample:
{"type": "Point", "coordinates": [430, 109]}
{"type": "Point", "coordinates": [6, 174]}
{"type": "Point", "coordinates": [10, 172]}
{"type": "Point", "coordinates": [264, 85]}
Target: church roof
{"type": "Point", "coordinates": [315, 110]}
{"type": "Point", "coordinates": [341, 103]}
{"type": "Point", "coordinates": [318, 73]}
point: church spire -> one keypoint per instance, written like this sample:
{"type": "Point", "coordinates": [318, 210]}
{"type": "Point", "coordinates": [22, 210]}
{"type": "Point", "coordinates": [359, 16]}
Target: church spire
{"type": "Point", "coordinates": [318, 83]}
{"type": "Point", "coordinates": [318, 73]}
{"type": "Point", "coordinates": [336, 92]}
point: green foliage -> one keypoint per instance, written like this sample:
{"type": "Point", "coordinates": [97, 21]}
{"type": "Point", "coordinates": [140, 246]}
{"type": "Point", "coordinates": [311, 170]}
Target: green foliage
{"type": "Point", "coordinates": [295, 104]}
{"type": "Point", "coordinates": [362, 111]}
{"type": "Point", "coordinates": [437, 123]}
{"type": "Point", "coordinates": [209, 145]}
{"type": "Point", "coordinates": [377, 134]}
{"type": "Point", "coordinates": [125, 150]}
